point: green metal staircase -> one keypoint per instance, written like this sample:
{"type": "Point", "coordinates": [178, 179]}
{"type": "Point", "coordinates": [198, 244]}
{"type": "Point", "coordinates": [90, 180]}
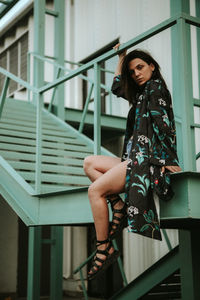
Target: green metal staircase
{"type": "Point", "coordinates": [160, 281]}
{"type": "Point", "coordinates": [41, 158]}
{"type": "Point", "coordinates": [62, 177]}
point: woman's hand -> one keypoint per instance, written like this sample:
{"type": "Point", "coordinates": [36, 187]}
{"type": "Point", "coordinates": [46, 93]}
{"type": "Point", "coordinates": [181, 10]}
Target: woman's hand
{"type": "Point", "coordinates": [172, 169]}
{"type": "Point", "coordinates": [122, 53]}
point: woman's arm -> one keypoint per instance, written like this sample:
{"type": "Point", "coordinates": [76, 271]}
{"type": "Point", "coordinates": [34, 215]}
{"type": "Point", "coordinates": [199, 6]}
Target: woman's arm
{"type": "Point", "coordinates": [116, 86]}
{"type": "Point", "coordinates": [121, 56]}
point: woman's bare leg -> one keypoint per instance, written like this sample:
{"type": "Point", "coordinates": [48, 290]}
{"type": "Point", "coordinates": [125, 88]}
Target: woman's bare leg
{"type": "Point", "coordinates": [111, 182]}
{"type": "Point", "coordinates": [96, 165]}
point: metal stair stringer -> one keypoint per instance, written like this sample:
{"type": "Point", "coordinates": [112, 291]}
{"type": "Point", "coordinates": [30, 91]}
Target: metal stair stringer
{"type": "Point", "coordinates": [152, 277]}
{"type": "Point", "coordinates": [63, 198]}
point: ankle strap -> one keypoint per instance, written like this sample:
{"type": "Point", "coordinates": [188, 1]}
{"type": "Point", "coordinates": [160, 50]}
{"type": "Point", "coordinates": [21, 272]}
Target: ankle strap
{"type": "Point", "coordinates": [113, 200]}
{"type": "Point", "coordinates": [98, 243]}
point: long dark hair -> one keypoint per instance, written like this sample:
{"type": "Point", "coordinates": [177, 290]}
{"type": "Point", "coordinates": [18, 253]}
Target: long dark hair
{"type": "Point", "coordinates": [129, 86]}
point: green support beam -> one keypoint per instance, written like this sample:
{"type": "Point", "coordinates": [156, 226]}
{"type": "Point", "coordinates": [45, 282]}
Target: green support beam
{"type": "Point", "coordinates": [197, 2]}
{"type": "Point", "coordinates": [182, 86]}
{"type": "Point", "coordinates": [39, 40]}
{"type": "Point", "coordinates": [59, 47]}
{"type": "Point", "coordinates": [189, 264]}
{"type": "Point", "coordinates": [56, 263]}
{"type": "Point", "coordinates": [97, 109]}
{"type": "Point", "coordinates": [34, 262]}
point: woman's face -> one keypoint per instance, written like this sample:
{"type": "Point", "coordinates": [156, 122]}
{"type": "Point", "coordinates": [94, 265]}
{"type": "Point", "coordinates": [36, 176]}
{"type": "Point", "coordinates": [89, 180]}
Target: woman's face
{"type": "Point", "coordinates": [140, 71]}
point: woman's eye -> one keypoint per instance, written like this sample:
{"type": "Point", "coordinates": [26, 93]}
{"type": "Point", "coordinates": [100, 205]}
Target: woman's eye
{"type": "Point", "coordinates": [139, 67]}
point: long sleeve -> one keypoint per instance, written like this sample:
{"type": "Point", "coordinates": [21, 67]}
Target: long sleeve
{"type": "Point", "coordinates": [160, 108]}
{"type": "Point", "coordinates": [117, 88]}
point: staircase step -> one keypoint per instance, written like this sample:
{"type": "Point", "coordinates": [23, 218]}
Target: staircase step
{"type": "Point", "coordinates": [51, 168]}
{"type": "Point", "coordinates": [170, 288]}
{"type": "Point", "coordinates": [55, 178]}
{"type": "Point", "coordinates": [29, 123]}
{"type": "Point", "coordinates": [50, 149]}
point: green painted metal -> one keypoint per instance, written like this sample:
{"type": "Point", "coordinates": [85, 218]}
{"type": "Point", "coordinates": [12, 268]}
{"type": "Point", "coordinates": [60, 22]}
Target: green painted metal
{"type": "Point", "coordinates": [18, 80]}
{"type": "Point", "coordinates": [107, 121]}
{"type": "Point", "coordinates": [189, 263]}
{"type": "Point", "coordinates": [8, 4]}
{"type": "Point", "coordinates": [54, 90]}
{"type": "Point", "coordinates": [39, 100]}
{"type": "Point", "coordinates": [177, 6]}
{"type": "Point", "coordinates": [140, 38]}
{"type": "Point", "coordinates": [198, 37]}
{"type": "Point", "coordinates": [163, 268]}
{"type": "Point", "coordinates": [167, 240]}
{"type": "Point", "coordinates": [185, 203]}
{"type": "Point", "coordinates": [59, 52]}
{"type": "Point", "coordinates": [83, 285]}
{"type": "Point", "coordinates": [3, 94]}
{"type": "Point", "coordinates": [120, 264]}
{"type": "Point", "coordinates": [85, 108]}
{"type": "Point", "coordinates": [56, 263]}
{"type": "Point", "coordinates": [34, 259]}
{"type": "Point", "coordinates": [97, 110]}
{"type": "Point", "coordinates": [182, 89]}
{"type": "Point", "coordinates": [39, 34]}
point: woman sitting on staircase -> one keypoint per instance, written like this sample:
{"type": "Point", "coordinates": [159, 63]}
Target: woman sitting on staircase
{"type": "Point", "coordinates": [149, 155]}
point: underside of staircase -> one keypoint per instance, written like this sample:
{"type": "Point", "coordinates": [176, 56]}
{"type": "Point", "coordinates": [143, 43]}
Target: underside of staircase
{"type": "Point", "coordinates": [63, 196]}
{"type": "Point", "coordinates": [160, 281]}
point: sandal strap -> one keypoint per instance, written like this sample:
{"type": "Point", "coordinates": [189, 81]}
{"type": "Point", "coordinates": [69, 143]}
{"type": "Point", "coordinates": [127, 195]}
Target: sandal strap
{"type": "Point", "coordinates": [98, 243]}
{"type": "Point", "coordinates": [117, 218]}
{"type": "Point", "coordinates": [116, 198]}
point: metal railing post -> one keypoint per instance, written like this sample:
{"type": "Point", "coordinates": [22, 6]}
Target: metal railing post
{"type": "Point", "coordinates": [3, 94]}
{"type": "Point", "coordinates": [97, 109]}
{"type": "Point", "coordinates": [86, 108]}
{"type": "Point", "coordinates": [39, 106]}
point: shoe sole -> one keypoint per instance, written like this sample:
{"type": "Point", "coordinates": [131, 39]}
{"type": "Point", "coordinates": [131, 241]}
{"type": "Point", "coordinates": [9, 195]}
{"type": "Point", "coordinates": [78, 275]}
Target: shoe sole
{"type": "Point", "coordinates": [109, 261]}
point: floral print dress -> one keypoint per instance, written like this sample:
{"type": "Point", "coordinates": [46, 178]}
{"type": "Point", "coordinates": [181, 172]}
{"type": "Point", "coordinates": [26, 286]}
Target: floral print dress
{"type": "Point", "coordinates": [149, 144]}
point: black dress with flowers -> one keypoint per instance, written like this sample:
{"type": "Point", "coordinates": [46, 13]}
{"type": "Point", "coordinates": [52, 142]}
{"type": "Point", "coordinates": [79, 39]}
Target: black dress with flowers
{"type": "Point", "coordinates": [149, 144]}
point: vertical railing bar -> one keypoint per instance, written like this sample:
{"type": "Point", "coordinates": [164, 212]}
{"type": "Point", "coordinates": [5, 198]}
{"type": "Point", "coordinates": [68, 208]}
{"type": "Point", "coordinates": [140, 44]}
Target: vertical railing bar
{"type": "Point", "coordinates": [39, 105]}
{"type": "Point", "coordinates": [29, 74]}
{"type": "Point", "coordinates": [3, 94]}
{"type": "Point", "coordinates": [54, 90]}
{"type": "Point", "coordinates": [110, 102]}
{"type": "Point", "coordinates": [167, 240]}
{"type": "Point", "coordinates": [83, 285]}
{"type": "Point", "coordinates": [119, 261]}
{"type": "Point", "coordinates": [97, 110]}
{"type": "Point", "coordinates": [197, 4]}
{"type": "Point", "coordinates": [85, 109]}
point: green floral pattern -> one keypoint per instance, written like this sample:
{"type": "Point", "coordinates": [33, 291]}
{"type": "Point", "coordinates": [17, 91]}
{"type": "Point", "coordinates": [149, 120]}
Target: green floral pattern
{"type": "Point", "coordinates": [151, 130]}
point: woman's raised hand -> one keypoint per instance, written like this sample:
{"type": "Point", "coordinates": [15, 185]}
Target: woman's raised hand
{"type": "Point", "coordinates": [121, 54]}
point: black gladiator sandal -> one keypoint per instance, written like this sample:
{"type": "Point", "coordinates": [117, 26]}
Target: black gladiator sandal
{"type": "Point", "coordinates": [105, 263]}
{"type": "Point", "coordinates": [116, 227]}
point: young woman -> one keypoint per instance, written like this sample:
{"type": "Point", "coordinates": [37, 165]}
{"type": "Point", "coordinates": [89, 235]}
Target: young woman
{"type": "Point", "coordinates": [149, 155]}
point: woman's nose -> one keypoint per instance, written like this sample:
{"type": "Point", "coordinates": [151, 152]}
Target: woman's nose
{"type": "Point", "coordinates": [137, 73]}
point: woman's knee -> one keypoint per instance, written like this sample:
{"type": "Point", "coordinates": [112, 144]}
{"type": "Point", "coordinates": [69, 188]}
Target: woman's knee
{"type": "Point", "coordinates": [88, 163]}
{"type": "Point", "coordinates": [94, 192]}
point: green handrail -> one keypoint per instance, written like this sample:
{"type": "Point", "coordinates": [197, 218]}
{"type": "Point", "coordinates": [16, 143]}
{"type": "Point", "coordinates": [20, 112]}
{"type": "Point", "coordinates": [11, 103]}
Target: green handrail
{"type": "Point", "coordinates": [49, 60]}
{"type": "Point", "coordinates": [95, 63]}
{"type": "Point", "coordinates": [3, 95]}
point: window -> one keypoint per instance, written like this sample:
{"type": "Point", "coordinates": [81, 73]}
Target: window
{"type": "Point", "coordinates": [89, 73]}
{"type": "Point", "coordinates": [14, 59]}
